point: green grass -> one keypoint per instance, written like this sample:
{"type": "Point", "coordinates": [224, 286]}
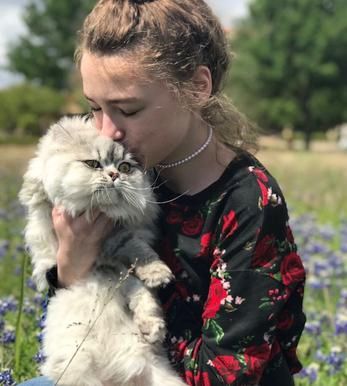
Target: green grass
{"type": "Point", "coordinates": [312, 182]}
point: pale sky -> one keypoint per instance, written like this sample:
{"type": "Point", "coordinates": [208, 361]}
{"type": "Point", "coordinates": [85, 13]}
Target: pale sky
{"type": "Point", "coordinates": [11, 25]}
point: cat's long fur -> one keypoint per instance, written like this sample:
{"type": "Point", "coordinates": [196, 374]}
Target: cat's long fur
{"type": "Point", "coordinates": [123, 345]}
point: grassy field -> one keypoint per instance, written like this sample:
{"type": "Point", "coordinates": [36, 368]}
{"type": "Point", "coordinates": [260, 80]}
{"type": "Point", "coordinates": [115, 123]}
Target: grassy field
{"type": "Point", "coordinates": [315, 186]}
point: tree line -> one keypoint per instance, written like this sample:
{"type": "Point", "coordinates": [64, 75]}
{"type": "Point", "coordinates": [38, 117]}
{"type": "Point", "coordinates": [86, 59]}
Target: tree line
{"type": "Point", "coordinates": [288, 70]}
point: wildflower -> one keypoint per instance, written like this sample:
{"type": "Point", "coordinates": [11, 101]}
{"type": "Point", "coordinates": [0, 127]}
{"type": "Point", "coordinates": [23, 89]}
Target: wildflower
{"type": "Point", "coordinates": [31, 284]}
{"type": "Point", "coordinates": [28, 308]}
{"type": "Point", "coordinates": [7, 304]}
{"type": "Point", "coordinates": [341, 323]}
{"type": "Point", "coordinates": [8, 337]}
{"type": "Point", "coordinates": [6, 378]}
{"type": "Point", "coordinates": [335, 359]}
{"type": "Point", "coordinates": [39, 357]}
{"type": "Point", "coordinates": [313, 328]}
{"type": "Point", "coordinates": [310, 372]}
{"type": "Point", "coordinates": [4, 244]}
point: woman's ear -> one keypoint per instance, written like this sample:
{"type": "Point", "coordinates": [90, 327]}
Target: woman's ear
{"type": "Point", "coordinates": [202, 82]}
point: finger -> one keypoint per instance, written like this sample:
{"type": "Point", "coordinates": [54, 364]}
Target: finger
{"type": "Point", "coordinates": [60, 215]}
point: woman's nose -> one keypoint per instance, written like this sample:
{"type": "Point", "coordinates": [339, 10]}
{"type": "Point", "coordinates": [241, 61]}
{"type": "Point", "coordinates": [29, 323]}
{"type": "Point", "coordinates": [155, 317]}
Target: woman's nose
{"type": "Point", "coordinates": [110, 129]}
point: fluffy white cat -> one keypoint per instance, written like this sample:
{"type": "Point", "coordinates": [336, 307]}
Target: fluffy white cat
{"type": "Point", "coordinates": [106, 329]}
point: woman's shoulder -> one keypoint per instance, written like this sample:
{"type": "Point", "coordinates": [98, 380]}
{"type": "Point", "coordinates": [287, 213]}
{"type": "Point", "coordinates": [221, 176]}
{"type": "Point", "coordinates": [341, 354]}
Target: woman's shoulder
{"type": "Point", "coordinates": [244, 179]}
{"type": "Point", "coordinates": [249, 186]}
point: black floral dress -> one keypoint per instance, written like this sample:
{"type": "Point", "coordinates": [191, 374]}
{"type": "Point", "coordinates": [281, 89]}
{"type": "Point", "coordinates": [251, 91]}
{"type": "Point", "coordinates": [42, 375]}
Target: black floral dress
{"type": "Point", "coordinates": [234, 312]}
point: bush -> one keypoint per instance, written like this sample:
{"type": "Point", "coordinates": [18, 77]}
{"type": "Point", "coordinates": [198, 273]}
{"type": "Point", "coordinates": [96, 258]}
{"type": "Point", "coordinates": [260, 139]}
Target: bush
{"type": "Point", "coordinates": [27, 110]}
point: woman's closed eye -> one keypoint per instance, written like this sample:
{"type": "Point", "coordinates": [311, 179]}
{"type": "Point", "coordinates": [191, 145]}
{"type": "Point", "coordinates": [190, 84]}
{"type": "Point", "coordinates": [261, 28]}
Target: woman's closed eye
{"type": "Point", "coordinates": [123, 112]}
{"type": "Point", "coordinates": [129, 113]}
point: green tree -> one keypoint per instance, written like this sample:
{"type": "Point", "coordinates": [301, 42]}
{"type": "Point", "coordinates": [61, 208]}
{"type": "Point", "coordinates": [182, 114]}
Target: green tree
{"type": "Point", "coordinates": [45, 54]}
{"type": "Point", "coordinates": [290, 64]}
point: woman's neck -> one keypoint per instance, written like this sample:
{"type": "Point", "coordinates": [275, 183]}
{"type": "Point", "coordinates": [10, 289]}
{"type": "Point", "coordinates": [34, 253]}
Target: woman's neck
{"type": "Point", "coordinates": [200, 172]}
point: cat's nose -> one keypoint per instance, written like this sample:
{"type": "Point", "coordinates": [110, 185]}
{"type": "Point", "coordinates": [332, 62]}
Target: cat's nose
{"type": "Point", "coordinates": [113, 175]}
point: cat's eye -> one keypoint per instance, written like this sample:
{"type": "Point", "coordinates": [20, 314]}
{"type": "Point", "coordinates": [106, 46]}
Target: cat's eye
{"type": "Point", "coordinates": [92, 163]}
{"type": "Point", "coordinates": [124, 167]}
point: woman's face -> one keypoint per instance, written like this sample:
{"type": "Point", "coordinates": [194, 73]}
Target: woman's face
{"type": "Point", "coordinates": [138, 111]}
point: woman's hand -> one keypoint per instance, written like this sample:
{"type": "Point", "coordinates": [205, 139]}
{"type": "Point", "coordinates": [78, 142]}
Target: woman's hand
{"type": "Point", "coordinates": [79, 243]}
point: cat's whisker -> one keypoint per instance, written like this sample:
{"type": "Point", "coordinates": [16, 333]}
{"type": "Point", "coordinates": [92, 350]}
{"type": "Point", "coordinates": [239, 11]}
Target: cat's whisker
{"type": "Point", "coordinates": [107, 194]}
{"type": "Point", "coordinates": [94, 196]}
{"type": "Point", "coordinates": [168, 201]}
{"type": "Point", "coordinates": [131, 199]}
{"type": "Point", "coordinates": [151, 187]}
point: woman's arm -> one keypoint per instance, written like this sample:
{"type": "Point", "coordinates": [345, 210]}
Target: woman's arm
{"type": "Point", "coordinates": [252, 318]}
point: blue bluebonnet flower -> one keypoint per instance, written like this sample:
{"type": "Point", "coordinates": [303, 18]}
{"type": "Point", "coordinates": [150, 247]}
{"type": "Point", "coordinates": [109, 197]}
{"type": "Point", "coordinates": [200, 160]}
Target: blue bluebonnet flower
{"type": "Point", "coordinates": [29, 307]}
{"type": "Point", "coordinates": [318, 283]}
{"type": "Point", "coordinates": [31, 284]}
{"type": "Point", "coordinates": [2, 324]}
{"type": "Point", "coordinates": [336, 358]}
{"type": "Point", "coordinates": [38, 299]}
{"type": "Point", "coordinates": [6, 378]}
{"type": "Point", "coordinates": [310, 372]}
{"type": "Point", "coordinates": [39, 336]}
{"type": "Point", "coordinates": [7, 305]}
{"type": "Point", "coordinates": [313, 328]}
{"type": "Point", "coordinates": [8, 337]}
{"type": "Point", "coordinates": [341, 323]}
{"type": "Point", "coordinates": [4, 245]}
{"type": "Point", "coordinates": [327, 232]}
{"type": "Point", "coordinates": [39, 357]}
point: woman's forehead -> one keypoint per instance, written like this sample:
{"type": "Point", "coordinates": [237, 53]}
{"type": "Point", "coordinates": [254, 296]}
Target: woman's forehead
{"type": "Point", "coordinates": [116, 68]}
{"type": "Point", "coordinates": [117, 77]}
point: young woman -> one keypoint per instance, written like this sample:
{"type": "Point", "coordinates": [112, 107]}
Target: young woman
{"type": "Point", "coordinates": [152, 72]}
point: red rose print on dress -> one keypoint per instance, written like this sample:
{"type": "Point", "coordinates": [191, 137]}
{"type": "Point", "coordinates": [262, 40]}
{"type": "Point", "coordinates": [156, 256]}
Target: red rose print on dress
{"type": "Point", "coordinates": [264, 193]}
{"type": "Point", "coordinates": [275, 349]}
{"type": "Point", "coordinates": [259, 173]}
{"type": "Point", "coordinates": [229, 224]}
{"type": "Point", "coordinates": [285, 320]}
{"type": "Point", "coordinates": [168, 255]}
{"type": "Point", "coordinates": [256, 358]}
{"type": "Point", "coordinates": [292, 269]}
{"type": "Point", "coordinates": [217, 293]}
{"type": "Point", "coordinates": [174, 217]}
{"type": "Point", "coordinates": [227, 366]}
{"type": "Point", "coordinates": [200, 378]}
{"type": "Point", "coordinates": [192, 226]}
{"type": "Point", "coordinates": [217, 259]}
{"type": "Point", "coordinates": [205, 243]}
{"type": "Point", "coordinates": [265, 252]}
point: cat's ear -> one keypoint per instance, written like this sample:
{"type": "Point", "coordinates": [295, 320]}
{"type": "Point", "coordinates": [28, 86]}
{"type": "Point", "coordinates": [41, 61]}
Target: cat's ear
{"type": "Point", "coordinates": [59, 134]}
{"type": "Point", "coordinates": [32, 192]}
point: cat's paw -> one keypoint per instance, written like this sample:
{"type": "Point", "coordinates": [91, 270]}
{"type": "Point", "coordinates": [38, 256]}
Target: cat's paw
{"type": "Point", "coordinates": [152, 328]}
{"type": "Point", "coordinates": [154, 274]}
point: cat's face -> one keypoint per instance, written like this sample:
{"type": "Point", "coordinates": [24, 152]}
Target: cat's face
{"type": "Point", "coordinates": [98, 173]}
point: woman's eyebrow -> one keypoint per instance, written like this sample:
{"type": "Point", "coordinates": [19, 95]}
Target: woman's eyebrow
{"type": "Point", "coordinates": [119, 100]}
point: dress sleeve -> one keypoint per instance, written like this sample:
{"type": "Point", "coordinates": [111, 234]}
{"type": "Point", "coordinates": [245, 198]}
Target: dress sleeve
{"type": "Point", "coordinates": [253, 312]}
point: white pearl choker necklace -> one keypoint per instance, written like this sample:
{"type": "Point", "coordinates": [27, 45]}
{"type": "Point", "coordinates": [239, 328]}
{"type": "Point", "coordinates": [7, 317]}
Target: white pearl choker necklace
{"type": "Point", "coordinates": [188, 158]}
